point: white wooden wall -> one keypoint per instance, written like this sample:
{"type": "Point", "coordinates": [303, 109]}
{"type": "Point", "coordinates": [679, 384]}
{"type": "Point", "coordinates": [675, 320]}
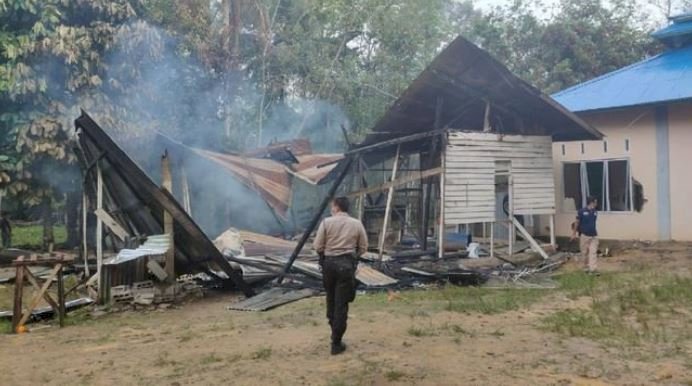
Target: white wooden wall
{"type": "Point", "coordinates": [470, 175]}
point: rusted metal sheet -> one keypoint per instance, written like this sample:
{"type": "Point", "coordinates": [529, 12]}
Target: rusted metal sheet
{"type": "Point", "coordinates": [140, 203]}
{"type": "Point", "coordinates": [313, 168]}
{"type": "Point", "coordinates": [268, 177]}
{"type": "Point", "coordinates": [257, 244]}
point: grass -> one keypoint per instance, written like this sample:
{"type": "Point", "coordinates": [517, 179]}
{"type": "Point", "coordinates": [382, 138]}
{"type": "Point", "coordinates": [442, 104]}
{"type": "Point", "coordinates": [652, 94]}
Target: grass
{"type": "Point", "coordinates": [456, 299]}
{"type": "Point", "coordinates": [5, 327]}
{"type": "Point", "coordinates": [394, 375]}
{"type": "Point", "coordinates": [421, 332]}
{"type": "Point", "coordinates": [630, 309]}
{"type": "Point", "coordinates": [31, 236]}
{"type": "Point", "coordinates": [263, 353]}
{"type": "Point", "coordinates": [211, 358]}
{"type": "Point", "coordinates": [489, 301]}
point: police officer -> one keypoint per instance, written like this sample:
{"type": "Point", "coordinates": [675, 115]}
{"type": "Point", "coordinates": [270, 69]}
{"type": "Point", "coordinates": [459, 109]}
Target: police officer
{"type": "Point", "coordinates": [340, 240]}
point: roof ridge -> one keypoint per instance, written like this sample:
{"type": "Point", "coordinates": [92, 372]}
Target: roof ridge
{"type": "Point", "coordinates": [606, 75]}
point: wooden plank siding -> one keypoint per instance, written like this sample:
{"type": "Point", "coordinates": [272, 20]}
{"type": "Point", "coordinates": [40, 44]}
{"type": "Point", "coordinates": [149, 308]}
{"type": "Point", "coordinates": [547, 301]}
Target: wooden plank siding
{"type": "Point", "coordinates": [470, 175]}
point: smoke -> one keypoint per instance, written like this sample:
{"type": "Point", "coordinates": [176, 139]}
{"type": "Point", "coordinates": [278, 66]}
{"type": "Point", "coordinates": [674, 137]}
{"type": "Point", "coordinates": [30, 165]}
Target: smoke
{"type": "Point", "coordinates": [153, 89]}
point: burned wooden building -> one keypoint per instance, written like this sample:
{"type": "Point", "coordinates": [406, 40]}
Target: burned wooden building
{"type": "Point", "coordinates": [467, 146]}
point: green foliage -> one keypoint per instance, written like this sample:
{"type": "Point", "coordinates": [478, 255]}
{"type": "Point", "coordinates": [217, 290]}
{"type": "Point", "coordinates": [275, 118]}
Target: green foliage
{"type": "Point", "coordinates": [238, 72]}
{"type": "Point", "coordinates": [584, 39]}
{"type": "Point", "coordinates": [50, 57]}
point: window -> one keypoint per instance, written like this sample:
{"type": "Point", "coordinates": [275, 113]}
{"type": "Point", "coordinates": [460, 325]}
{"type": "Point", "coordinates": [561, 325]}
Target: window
{"type": "Point", "coordinates": [608, 180]}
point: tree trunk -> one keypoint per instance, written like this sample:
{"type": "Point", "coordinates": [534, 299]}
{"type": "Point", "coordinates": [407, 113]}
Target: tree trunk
{"type": "Point", "coordinates": [47, 217]}
{"type": "Point", "coordinates": [72, 219]}
{"type": "Point", "coordinates": [232, 28]}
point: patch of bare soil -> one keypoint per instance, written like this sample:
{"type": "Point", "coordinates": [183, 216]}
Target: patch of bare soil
{"type": "Point", "coordinates": [389, 342]}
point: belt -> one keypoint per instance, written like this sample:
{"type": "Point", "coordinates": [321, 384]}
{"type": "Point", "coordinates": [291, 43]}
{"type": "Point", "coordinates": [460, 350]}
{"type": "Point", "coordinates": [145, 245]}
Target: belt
{"type": "Point", "coordinates": [342, 256]}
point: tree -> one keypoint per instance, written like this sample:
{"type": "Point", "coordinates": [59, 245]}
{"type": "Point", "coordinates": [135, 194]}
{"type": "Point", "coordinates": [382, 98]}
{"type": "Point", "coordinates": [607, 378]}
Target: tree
{"type": "Point", "coordinates": [51, 57]}
{"type": "Point", "coordinates": [583, 40]}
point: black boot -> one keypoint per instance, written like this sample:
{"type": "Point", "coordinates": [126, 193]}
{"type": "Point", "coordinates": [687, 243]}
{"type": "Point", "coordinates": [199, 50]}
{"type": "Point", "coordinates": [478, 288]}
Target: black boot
{"type": "Point", "coordinates": [338, 348]}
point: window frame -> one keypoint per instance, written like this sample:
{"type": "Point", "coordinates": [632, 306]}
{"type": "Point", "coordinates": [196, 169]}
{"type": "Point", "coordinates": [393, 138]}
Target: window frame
{"type": "Point", "coordinates": [583, 182]}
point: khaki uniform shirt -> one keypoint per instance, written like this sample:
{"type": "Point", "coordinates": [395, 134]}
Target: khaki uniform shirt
{"type": "Point", "coordinates": [341, 234]}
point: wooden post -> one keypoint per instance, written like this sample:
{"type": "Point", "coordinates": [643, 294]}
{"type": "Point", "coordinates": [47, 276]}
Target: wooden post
{"type": "Point", "coordinates": [534, 245]}
{"type": "Point", "coordinates": [441, 235]}
{"type": "Point", "coordinates": [61, 298]}
{"type": "Point", "coordinates": [362, 181]}
{"type": "Point", "coordinates": [167, 184]}
{"type": "Point", "coordinates": [510, 199]}
{"type": "Point", "coordinates": [388, 207]}
{"type": "Point", "coordinates": [486, 118]}
{"type": "Point", "coordinates": [186, 191]}
{"type": "Point", "coordinates": [99, 233]}
{"type": "Point", "coordinates": [38, 295]}
{"type": "Point", "coordinates": [85, 250]}
{"type": "Point", "coordinates": [18, 292]}
{"type": "Point", "coordinates": [492, 239]}
{"type": "Point", "coordinates": [552, 230]}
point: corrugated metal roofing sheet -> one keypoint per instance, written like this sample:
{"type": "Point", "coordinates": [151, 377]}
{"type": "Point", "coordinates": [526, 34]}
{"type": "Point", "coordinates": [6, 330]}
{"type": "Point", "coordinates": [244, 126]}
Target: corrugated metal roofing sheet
{"type": "Point", "coordinates": [271, 298]}
{"type": "Point", "coordinates": [266, 176]}
{"type": "Point", "coordinates": [155, 245]}
{"type": "Point", "coordinates": [663, 78]}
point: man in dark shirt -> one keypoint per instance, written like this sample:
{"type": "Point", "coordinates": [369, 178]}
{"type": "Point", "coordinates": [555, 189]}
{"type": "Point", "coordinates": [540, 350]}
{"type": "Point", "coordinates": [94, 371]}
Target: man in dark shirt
{"type": "Point", "coordinates": [585, 226]}
{"type": "Point", "coordinates": [5, 230]}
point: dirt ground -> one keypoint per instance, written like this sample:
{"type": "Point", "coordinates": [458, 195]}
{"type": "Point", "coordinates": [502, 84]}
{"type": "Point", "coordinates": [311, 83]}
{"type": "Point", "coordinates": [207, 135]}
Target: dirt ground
{"type": "Point", "coordinates": [410, 338]}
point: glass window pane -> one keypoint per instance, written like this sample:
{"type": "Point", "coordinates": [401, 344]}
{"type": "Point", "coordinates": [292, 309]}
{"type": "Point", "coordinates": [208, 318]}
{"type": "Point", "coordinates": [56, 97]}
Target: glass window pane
{"type": "Point", "coordinates": [618, 186]}
{"type": "Point", "coordinates": [594, 175]}
{"type": "Point", "coordinates": [572, 181]}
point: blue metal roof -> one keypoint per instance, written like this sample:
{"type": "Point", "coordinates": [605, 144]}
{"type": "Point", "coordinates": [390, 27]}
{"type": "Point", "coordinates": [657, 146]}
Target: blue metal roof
{"type": "Point", "coordinates": [682, 25]}
{"type": "Point", "coordinates": [663, 78]}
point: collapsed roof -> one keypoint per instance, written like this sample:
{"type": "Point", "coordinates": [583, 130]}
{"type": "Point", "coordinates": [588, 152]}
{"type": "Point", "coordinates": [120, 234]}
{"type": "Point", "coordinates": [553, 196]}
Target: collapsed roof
{"type": "Point", "coordinates": [138, 204]}
{"type": "Point", "coordinates": [270, 170]}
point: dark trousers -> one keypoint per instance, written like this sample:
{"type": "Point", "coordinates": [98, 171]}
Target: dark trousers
{"type": "Point", "coordinates": [339, 279]}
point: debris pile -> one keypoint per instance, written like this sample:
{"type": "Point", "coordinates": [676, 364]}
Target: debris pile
{"type": "Point", "coordinates": [398, 270]}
